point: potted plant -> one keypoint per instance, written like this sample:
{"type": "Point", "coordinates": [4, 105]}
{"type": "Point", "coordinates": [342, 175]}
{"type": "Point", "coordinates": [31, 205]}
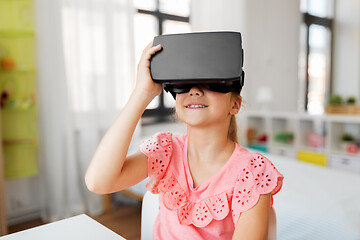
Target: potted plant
{"type": "Point", "coordinates": [337, 105]}
{"type": "Point", "coordinates": [346, 139]}
{"type": "Point", "coordinates": [335, 99]}
{"type": "Point", "coordinates": [351, 100]}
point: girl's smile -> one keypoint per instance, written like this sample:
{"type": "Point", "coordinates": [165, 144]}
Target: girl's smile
{"type": "Point", "coordinates": [195, 106]}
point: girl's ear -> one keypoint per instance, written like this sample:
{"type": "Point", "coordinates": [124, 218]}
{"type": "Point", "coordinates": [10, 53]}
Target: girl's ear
{"type": "Point", "coordinates": [236, 104]}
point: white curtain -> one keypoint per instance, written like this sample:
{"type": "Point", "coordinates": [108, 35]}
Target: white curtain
{"type": "Point", "coordinates": [85, 74]}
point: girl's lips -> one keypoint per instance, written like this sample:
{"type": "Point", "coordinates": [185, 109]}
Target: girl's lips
{"type": "Point", "coordinates": [196, 105]}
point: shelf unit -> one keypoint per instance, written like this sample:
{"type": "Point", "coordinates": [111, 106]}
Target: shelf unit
{"type": "Point", "coordinates": [310, 138]}
{"type": "Point", "coordinates": [18, 87]}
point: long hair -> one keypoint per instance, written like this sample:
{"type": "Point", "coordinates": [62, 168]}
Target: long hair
{"type": "Point", "coordinates": [233, 130]}
{"type": "Point", "coordinates": [232, 134]}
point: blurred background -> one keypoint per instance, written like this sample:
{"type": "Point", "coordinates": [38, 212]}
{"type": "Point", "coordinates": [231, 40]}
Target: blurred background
{"type": "Point", "coordinates": [68, 67]}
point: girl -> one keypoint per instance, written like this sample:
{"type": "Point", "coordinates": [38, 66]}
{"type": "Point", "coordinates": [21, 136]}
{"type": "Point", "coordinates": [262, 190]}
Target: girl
{"type": "Point", "coordinates": [210, 187]}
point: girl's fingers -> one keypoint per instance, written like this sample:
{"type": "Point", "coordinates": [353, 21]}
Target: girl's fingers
{"type": "Point", "coordinates": [151, 51]}
{"type": "Point", "coordinates": [154, 49]}
{"type": "Point", "coordinates": [147, 53]}
{"type": "Point", "coordinates": [143, 74]}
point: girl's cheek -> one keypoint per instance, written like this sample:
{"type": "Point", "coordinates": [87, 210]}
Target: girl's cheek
{"type": "Point", "coordinates": [177, 106]}
{"type": "Point", "coordinates": [179, 99]}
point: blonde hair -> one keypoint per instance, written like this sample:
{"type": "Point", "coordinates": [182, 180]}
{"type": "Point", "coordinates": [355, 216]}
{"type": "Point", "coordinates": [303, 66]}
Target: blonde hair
{"type": "Point", "coordinates": [232, 134]}
{"type": "Point", "coordinates": [233, 131]}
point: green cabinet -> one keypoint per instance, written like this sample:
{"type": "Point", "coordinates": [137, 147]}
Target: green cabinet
{"type": "Point", "coordinates": [18, 87]}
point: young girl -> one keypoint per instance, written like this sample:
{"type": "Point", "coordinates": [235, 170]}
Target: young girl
{"type": "Point", "coordinates": [210, 187]}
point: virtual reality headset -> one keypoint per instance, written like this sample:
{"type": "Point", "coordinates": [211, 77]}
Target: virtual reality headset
{"type": "Point", "coordinates": [211, 59]}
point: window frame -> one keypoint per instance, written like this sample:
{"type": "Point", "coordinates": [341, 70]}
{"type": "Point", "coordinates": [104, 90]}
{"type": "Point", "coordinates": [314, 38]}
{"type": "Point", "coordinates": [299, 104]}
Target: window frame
{"type": "Point", "coordinates": [309, 20]}
{"type": "Point", "coordinates": [161, 113]}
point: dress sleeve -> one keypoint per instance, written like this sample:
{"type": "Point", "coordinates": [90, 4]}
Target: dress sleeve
{"type": "Point", "coordinates": [158, 149]}
{"type": "Point", "coordinates": [259, 177]}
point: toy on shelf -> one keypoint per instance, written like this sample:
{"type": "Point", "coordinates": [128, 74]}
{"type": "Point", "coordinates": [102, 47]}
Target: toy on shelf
{"type": "Point", "coordinates": [349, 144]}
{"type": "Point", "coordinates": [284, 137]}
{"type": "Point", "coordinates": [316, 140]}
{"type": "Point", "coordinates": [251, 136]}
{"type": "Point", "coordinates": [7, 63]}
{"type": "Point", "coordinates": [352, 148]}
{"type": "Point", "coordinates": [13, 95]}
{"type": "Point", "coordinates": [5, 96]}
{"type": "Point", "coordinates": [256, 142]}
{"type": "Point", "coordinates": [16, 103]}
{"type": "Point", "coordinates": [262, 138]}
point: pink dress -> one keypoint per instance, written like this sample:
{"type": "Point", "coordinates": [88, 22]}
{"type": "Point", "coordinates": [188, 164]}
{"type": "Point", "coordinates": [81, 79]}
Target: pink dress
{"type": "Point", "coordinates": [212, 209]}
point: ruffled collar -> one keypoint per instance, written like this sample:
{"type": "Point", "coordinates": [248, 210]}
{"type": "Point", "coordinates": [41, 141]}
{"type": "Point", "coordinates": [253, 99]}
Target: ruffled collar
{"type": "Point", "coordinates": [256, 175]}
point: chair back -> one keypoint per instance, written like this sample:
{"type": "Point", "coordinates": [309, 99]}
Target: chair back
{"type": "Point", "coordinates": [149, 212]}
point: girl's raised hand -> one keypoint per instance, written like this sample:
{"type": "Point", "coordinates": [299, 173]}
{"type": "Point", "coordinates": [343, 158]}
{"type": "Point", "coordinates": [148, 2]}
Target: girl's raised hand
{"type": "Point", "coordinates": [144, 82]}
{"type": "Point", "coordinates": [111, 170]}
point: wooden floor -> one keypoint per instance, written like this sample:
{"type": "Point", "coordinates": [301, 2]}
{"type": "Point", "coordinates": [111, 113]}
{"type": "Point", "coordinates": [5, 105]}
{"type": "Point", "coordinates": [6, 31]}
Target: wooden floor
{"type": "Point", "coordinates": [124, 220]}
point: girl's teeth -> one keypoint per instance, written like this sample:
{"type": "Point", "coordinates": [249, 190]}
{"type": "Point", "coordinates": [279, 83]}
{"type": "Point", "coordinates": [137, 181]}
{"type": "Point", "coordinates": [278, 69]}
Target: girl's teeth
{"type": "Point", "coordinates": [196, 106]}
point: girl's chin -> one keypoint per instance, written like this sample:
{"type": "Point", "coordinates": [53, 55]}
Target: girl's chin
{"type": "Point", "coordinates": [200, 121]}
{"type": "Point", "coordinates": [196, 122]}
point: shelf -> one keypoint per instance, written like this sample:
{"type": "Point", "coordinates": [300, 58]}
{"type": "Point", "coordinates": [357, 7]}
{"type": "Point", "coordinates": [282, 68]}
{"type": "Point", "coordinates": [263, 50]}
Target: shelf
{"type": "Point", "coordinates": [312, 134]}
{"type": "Point", "coordinates": [282, 132]}
{"type": "Point", "coordinates": [345, 163]}
{"type": "Point", "coordinates": [18, 109]}
{"type": "Point", "coordinates": [284, 151]}
{"type": "Point", "coordinates": [282, 145]}
{"type": "Point", "coordinates": [256, 129]}
{"type": "Point", "coordinates": [19, 128]}
{"type": "Point", "coordinates": [343, 153]}
{"type": "Point", "coordinates": [315, 137]}
{"type": "Point", "coordinates": [343, 118]}
{"type": "Point", "coordinates": [338, 129]}
{"type": "Point", "coordinates": [312, 149]}
{"type": "Point", "coordinates": [17, 33]}
{"type": "Point", "coordinates": [17, 71]}
{"type": "Point", "coordinates": [19, 141]}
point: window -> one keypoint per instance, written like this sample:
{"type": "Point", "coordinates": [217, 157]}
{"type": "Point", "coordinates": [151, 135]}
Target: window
{"type": "Point", "coordinates": [96, 39]}
{"type": "Point", "coordinates": [157, 17]}
{"type": "Point", "coordinates": [316, 53]}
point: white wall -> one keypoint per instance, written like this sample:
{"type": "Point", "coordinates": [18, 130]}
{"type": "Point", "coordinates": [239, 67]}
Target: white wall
{"type": "Point", "coordinates": [270, 31]}
{"type": "Point", "coordinates": [212, 15]}
{"type": "Point", "coordinates": [346, 66]}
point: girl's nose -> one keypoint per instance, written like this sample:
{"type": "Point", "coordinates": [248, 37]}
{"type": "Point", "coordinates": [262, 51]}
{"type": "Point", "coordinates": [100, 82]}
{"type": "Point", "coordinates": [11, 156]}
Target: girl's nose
{"type": "Point", "coordinates": [196, 91]}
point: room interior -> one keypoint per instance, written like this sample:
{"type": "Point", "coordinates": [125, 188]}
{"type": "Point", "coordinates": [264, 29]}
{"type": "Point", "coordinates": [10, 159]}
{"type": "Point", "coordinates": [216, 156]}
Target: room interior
{"type": "Point", "coordinates": [67, 69]}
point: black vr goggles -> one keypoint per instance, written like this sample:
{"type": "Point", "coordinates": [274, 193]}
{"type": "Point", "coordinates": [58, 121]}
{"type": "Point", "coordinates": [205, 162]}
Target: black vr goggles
{"type": "Point", "coordinates": [210, 59]}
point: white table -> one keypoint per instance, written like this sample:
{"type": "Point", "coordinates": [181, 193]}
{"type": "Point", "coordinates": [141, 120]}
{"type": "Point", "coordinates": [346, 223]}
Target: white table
{"type": "Point", "coordinates": [80, 227]}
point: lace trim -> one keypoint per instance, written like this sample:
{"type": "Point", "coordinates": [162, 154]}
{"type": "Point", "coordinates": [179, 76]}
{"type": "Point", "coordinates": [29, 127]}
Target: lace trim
{"type": "Point", "coordinates": [199, 214]}
{"type": "Point", "coordinates": [260, 177]}
{"type": "Point", "coordinates": [158, 149]}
